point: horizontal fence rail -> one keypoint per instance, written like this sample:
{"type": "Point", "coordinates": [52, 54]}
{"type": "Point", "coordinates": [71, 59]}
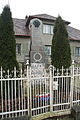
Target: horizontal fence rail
{"type": "Point", "coordinates": [23, 93]}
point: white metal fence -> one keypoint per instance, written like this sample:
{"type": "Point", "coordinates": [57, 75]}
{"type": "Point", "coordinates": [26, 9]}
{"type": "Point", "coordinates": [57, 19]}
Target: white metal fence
{"type": "Point", "coordinates": [13, 94]}
{"type": "Point", "coordinates": [24, 94]}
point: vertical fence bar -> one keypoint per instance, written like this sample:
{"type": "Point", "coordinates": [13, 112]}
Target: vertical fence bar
{"type": "Point", "coordinates": [72, 84]}
{"type": "Point", "coordinates": [43, 94]}
{"type": "Point", "coordinates": [40, 93]}
{"type": "Point", "coordinates": [38, 97]}
{"type": "Point", "coordinates": [5, 98]}
{"type": "Point", "coordinates": [8, 93]}
{"type": "Point", "coordinates": [22, 96]}
{"type": "Point", "coordinates": [62, 86]}
{"type": "Point", "coordinates": [51, 90]}
{"type": "Point", "coordinates": [46, 94]}
{"type": "Point", "coordinates": [35, 94]}
{"type": "Point", "coordinates": [2, 90]}
{"type": "Point", "coordinates": [67, 85]}
{"type": "Point", "coordinates": [27, 65]}
{"type": "Point", "coordinates": [12, 95]}
{"type": "Point", "coordinates": [15, 89]}
{"type": "Point", "coordinates": [30, 94]}
{"type": "Point", "coordinates": [21, 93]}
{"type": "Point", "coordinates": [56, 91]}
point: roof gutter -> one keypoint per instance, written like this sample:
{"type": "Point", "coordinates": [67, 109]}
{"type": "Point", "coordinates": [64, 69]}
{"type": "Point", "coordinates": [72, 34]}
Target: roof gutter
{"type": "Point", "coordinates": [22, 35]}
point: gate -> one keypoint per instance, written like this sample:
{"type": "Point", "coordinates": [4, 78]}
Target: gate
{"type": "Point", "coordinates": [50, 92]}
{"type": "Point", "coordinates": [55, 90]}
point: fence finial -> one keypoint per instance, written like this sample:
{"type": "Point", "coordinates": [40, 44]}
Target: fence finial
{"type": "Point", "coordinates": [1, 72]}
{"type": "Point", "coordinates": [27, 62]}
{"type": "Point", "coordinates": [72, 61]}
{"type": "Point", "coordinates": [50, 67]}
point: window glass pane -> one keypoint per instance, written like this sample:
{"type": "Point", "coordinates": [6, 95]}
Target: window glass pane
{"type": "Point", "coordinates": [77, 51]}
{"type": "Point", "coordinates": [18, 48]}
{"type": "Point", "coordinates": [51, 29]}
{"type": "Point", "coordinates": [46, 28]}
{"type": "Point", "coordinates": [48, 50]}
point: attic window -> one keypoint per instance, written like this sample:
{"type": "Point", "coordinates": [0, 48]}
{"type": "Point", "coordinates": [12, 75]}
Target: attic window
{"type": "Point", "coordinates": [47, 28]}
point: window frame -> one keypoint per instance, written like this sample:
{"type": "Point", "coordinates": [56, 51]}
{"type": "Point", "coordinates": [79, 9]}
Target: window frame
{"type": "Point", "coordinates": [48, 29]}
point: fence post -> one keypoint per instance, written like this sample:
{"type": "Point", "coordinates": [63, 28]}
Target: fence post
{"type": "Point", "coordinates": [30, 105]}
{"type": "Point", "coordinates": [28, 93]}
{"type": "Point", "coordinates": [72, 84]}
{"type": "Point", "coordinates": [51, 89]}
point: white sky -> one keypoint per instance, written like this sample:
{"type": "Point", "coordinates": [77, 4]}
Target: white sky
{"type": "Point", "coordinates": [68, 9]}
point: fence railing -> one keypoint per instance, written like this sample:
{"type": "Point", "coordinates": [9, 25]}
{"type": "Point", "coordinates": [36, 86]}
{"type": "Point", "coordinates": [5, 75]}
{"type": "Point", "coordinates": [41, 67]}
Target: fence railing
{"type": "Point", "coordinates": [13, 94]}
{"type": "Point", "coordinates": [27, 94]}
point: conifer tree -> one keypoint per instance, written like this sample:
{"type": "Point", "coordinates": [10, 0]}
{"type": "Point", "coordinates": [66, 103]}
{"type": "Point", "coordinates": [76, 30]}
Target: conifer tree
{"type": "Point", "coordinates": [7, 41]}
{"type": "Point", "coordinates": [60, 49]}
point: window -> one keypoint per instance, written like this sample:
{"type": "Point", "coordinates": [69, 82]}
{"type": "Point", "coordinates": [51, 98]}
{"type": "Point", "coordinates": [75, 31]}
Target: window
{"type": "Point", "coordinates": [48, 29]}
{"type": "Point", "coordinates": [18, 48]}
{"type": "Point", "coordinates": [48, 50]}
{"type": "Point", "coordinates": [77, 51]}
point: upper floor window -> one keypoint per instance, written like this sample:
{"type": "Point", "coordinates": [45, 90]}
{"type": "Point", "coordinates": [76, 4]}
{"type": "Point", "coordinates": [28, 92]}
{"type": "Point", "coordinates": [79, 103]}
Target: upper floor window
{"type": "Point", "coordinates": [48, 29]}
{"type": "Point", "coordinates": [48, 50]}
{"type": "Point", "coordinates": [77, 51]}
{"type": "Point", "coordinates": [18, 48]}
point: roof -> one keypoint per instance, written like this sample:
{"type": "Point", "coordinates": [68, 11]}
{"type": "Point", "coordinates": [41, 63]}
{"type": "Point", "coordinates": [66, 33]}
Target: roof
{"type": "Point", "coordinates": [43, 17]}
{"type": "Point", "coordinates": [74, 34]}
{"type": "Point", "coordinates": [20, 28]}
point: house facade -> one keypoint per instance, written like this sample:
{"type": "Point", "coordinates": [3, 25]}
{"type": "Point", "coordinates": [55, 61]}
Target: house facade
{"type": "Point", "coordinates": [34, 38]}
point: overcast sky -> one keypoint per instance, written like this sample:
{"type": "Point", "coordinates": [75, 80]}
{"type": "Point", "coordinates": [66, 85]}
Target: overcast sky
{"type": "Point", "coordinates": [68, 9]}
